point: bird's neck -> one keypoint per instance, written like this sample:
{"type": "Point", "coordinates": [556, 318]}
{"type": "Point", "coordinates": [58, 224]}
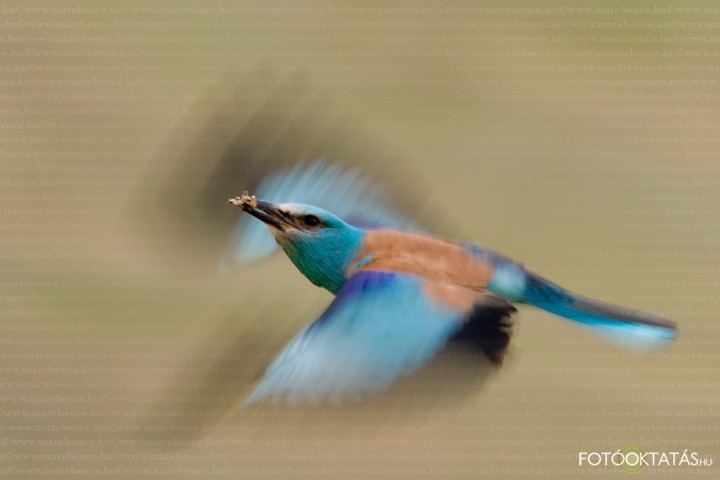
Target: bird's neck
{"type": "Point", "coordinates": [325, 261]}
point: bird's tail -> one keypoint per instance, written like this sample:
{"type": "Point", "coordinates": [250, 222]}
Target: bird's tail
{"type": "Point", "coordinates": [620, 325]}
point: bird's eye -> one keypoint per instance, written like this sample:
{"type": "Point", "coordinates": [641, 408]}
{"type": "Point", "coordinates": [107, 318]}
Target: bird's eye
{"type": "Point", "coordinates": [311, 220]}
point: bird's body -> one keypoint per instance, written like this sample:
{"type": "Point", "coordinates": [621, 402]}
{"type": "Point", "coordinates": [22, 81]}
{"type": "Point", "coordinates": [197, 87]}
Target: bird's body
{"type": "Point", "coordinates": [401, 295]}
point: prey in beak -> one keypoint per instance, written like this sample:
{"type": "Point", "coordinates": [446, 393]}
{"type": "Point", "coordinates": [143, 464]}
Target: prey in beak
{"type": "Point", "coordinates": [266, 211]}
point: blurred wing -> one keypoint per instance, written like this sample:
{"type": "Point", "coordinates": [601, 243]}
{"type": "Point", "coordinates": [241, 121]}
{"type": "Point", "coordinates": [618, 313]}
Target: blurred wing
{"type": "Point", "coordinates": [262, 133]}
{"type": "Point", "coordinates": [347, 193]}
{"type": "Point", "coordinates": [380, 326]}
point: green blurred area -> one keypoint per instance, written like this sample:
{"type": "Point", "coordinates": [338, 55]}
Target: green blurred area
{"type": "Point", "coordinates": [581, 140]}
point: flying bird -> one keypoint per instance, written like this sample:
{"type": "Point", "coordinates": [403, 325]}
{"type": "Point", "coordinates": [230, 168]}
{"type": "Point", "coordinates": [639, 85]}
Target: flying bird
{"type": "Point", "coordinates": [401, 295]}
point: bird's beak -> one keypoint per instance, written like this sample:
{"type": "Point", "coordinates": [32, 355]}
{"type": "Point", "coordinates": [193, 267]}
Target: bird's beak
{"type": "Point", "coordinates": [268, 212]}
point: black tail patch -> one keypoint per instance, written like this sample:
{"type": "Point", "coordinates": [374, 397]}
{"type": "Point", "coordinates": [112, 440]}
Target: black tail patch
{"type": "Point", "coordinates": [488, 329]}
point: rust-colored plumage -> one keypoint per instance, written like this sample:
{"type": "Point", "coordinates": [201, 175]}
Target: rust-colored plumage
{"type": "Point", "coordinates": [453, 274]}
{"type": "Point", "coordinates": [429, 257]}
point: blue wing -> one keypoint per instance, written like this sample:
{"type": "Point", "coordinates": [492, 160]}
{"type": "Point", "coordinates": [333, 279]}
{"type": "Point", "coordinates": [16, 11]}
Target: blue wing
{"type": "Point", "coordinates": [345, 192]}
{"type": "Point", "coordinates": [380, 326]}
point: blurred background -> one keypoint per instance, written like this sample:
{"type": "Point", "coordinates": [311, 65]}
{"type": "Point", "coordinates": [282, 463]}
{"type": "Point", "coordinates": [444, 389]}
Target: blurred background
{"type": "Point", "coordinates": [580, 140]}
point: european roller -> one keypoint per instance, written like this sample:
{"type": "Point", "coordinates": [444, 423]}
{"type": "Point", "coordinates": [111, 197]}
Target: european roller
{"type": "Point", "coordinates": [400, 295]}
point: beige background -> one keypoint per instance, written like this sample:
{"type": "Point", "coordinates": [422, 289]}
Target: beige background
{"type": "Point", "coordinates": [581, 142]}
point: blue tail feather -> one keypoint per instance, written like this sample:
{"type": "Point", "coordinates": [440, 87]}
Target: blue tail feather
{"type": "Point", "coordinates": [630, 328]}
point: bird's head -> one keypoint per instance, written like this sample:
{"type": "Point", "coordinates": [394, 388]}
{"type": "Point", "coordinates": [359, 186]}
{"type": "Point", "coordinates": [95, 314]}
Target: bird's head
{"type": "Point", "coordinates": [320, 244]}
